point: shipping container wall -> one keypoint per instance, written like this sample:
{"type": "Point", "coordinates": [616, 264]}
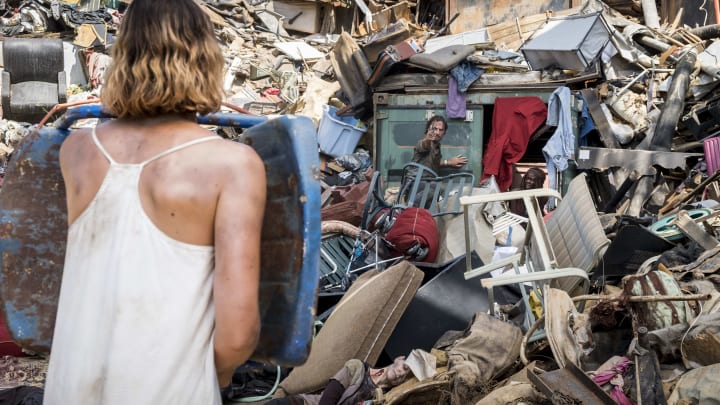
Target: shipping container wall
{"type": "Point", "coordinates": [400, 123]}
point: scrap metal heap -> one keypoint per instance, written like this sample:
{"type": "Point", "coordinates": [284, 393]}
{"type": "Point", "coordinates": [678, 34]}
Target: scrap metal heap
{"type": "Point", "coordinates": [642, 81]}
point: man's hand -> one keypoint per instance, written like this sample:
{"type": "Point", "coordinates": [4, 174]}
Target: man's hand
{"type": "Point", "coordinates": [457, 161]}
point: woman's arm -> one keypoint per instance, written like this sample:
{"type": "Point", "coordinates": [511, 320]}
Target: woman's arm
{"type": "Point", "coordinates": [238, 224]}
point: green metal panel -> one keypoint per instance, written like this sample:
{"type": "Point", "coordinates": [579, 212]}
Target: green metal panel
{"type": "Point", "coordinates": [401, 123]}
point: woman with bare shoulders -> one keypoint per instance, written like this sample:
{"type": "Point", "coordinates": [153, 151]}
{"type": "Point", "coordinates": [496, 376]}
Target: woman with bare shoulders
{"type": "Point", "coordinates": [159, 297]}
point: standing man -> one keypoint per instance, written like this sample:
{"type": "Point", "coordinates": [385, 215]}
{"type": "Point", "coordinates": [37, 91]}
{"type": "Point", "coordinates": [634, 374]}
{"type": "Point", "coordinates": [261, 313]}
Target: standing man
{"type": "Point", "coordinates": [159, 296]}
{"type": "Point", "coordinates": [427, 151]}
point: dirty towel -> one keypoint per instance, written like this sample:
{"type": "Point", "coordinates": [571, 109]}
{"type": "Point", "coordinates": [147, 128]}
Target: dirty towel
{"type": "Point", "coordinates": [491, 344]}
{"type": "Point", "coordinates": [455, 107]}
{"type": "Point", "coordinates": [568, 331]}
{"type": "Point", "coordinates": [422, 364]}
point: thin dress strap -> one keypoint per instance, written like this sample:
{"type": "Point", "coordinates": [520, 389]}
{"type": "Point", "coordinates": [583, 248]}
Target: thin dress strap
{"type": "Point", "coordinates": [181, 146]}
{"type": "Point", "coordinates": [102, 148]}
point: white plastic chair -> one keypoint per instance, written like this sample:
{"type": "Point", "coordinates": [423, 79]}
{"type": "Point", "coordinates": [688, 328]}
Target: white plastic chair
{"type": "Point", "coordinates": [563, 250]}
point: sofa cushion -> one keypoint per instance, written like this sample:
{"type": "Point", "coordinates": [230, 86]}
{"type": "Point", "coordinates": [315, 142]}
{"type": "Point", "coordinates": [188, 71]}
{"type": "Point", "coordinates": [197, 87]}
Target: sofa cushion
{"type": "Point", "coordinates": [359, 326]}
{"type": "Point", "coordinates": [443, 59]}
{"type": "Point", "coordinates": [29, 96]}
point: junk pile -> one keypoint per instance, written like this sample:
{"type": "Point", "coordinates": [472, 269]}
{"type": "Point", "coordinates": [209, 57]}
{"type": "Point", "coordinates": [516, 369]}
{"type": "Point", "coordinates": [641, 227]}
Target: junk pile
{"type": "Point", "coordinates": [600, 288]}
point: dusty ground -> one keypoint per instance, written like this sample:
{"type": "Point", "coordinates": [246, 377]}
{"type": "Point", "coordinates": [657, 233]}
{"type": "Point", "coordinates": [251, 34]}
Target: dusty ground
{"type": "Point", "coordinates": [16, 371]}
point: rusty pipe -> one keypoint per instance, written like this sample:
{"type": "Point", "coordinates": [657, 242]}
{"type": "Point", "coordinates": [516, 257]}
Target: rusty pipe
{"type": "Point", "coordinates": [643, 298]}
{"type": "Point", "coordinates": [705, 32]}
{"type": "Point", "coordinates": [60, 107]}
{"type": "Point", "coordinates": [342, 227]}
{"type": "Point", "coordinates": [652, 43]}
{"type": "Point", "coordinates": [64, 106]}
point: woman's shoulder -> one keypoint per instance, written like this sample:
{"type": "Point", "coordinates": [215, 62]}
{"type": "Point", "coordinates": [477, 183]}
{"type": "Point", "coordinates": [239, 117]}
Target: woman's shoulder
{"type": "Point", "coordinates": [75, 141]}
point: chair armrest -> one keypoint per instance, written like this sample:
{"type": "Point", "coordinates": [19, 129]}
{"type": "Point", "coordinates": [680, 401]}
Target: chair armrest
{"type": "Point", "coordinates": [62, 87]}
{"type": "Point", "coordinates": [5, 91]}
{"type": "Point", "coordinates": [535, 276]}
{"type": "Point", "coordinates": [509, 195]}
{"type": "Point", "coordinates": [479, 271]}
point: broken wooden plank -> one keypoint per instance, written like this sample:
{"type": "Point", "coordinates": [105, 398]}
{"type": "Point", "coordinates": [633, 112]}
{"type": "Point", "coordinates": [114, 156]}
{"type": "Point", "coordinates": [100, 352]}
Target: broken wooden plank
{"type": "Point", "coordinates": [694, 231]}
{"type": "Point", "coordinates": [507, 33]}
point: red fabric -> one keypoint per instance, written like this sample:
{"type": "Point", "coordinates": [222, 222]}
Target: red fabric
{"type": "Point", "coordinates": [514, 120]}
{"type": "Point", "coordinates": [413, 226]}
{"type": "Point", "coordinates": [271, 91]}
{"type": "Point", "coordinates": [8, 347]}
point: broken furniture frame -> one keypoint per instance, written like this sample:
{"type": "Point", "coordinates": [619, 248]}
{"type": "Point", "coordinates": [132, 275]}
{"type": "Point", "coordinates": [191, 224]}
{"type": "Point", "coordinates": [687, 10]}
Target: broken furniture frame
{"type": "Point", "coordinates": [422, 187]}
{"type": "Point", "coordinates": [536, 232]}
{"type": "Point", "coordinates": [335, 253]}
{"type": "Point", "coordinates": [569, 245]}
{"type": "Point", "coordinates": [340, 254]}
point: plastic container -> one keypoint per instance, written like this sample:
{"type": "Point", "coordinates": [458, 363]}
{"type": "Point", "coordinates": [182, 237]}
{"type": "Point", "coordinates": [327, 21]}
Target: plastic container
{"type": "Point", "coordinates": [338, 135]}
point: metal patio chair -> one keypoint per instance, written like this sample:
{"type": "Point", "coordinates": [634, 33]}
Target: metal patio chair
{"type": "Point", "coordinates": [422, 187]}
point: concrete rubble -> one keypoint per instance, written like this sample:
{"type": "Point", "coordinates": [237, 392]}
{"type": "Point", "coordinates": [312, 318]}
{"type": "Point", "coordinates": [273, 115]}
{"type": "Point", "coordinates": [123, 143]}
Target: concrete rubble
{"type": "Point", "coordinates": [641, 79]}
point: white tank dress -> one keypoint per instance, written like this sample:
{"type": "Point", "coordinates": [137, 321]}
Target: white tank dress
{"type": "Point", "coordinates": [135, 316]}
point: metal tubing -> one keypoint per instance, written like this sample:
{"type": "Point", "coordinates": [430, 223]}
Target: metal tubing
{"type": "Point", "coordinates": [674, 103]}
{"type": "Point", "coordinates": [650, 13]}
{"type": "Point", "coordinates": [651, 42]}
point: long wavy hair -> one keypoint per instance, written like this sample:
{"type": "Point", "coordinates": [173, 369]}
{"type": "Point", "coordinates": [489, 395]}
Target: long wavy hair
{"type": "Point", "coordinates": [165, 60]}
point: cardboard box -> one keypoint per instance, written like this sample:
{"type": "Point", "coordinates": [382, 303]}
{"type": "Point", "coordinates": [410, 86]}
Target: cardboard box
{"type": "Point", "coordinates": [377, 42]}
{"type": "Point", "coordinates": [573, 42]}
{"type": "Point", "coordinates": [404, 49]}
